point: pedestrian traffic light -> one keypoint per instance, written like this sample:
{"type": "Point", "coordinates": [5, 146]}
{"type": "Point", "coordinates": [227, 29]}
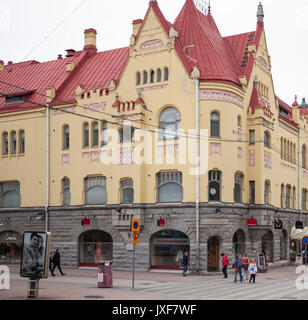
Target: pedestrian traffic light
{"type": "Point", "coordinates": [135, 225]}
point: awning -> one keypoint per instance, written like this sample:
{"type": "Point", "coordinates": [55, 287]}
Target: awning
{"type": "Point", "coordinates": [298, 234]}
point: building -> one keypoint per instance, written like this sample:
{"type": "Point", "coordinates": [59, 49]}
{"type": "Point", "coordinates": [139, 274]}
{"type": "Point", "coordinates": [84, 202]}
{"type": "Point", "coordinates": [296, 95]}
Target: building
{"type": "Point", "coordinates": [182, 129]}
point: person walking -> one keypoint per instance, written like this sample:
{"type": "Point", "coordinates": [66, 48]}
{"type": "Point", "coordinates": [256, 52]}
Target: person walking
{"type": "Point", "coordinates": [57, 263]}
{"type": "Point", "coordinates": [238, 268]}
{"type": "Point", "coordinates": [185, 263]}
{"type": "Point", "coordinates": [304, 256]}
{"type": "Point", "coordinates": [225, 263]}
{"type": "Point", "coordinates": [252, 270]}
{"type": "Point", "coordinates": [245, 262]}
{"type": "Point", "coordinates": [50, 262]}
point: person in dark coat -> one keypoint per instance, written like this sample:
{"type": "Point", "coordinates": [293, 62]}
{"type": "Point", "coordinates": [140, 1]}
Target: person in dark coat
{"type": "Point", "coordinates": [50, 262]}
{"type": "Point", "coordinates": [56, 263]}
{"type": "Point", "coordinates": [185, 263]}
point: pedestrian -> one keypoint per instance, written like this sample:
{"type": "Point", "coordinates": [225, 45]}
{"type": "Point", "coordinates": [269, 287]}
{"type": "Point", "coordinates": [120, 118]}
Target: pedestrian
{"type": "Point", "coordinates": [185, 263]}
{"type": "Point", "coordinates": [57, 263]}
{"type": "Point", "coordinates": [252, 270]}
{"type": "Point", "coordinates": [50, 262]}
{"type": "Point", "coordinates": [225, 263]}
{"type": "Point", "coordinates": [304, 256]}
{"type": "Point", "coordinates": [245, 262]}
{"type": "Point", "coordinates": [238, 268]}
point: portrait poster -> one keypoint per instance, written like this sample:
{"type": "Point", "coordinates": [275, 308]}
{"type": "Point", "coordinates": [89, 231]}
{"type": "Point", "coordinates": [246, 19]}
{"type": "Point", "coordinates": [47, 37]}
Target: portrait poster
{"type": "Point", "coordinates": [35, 255]}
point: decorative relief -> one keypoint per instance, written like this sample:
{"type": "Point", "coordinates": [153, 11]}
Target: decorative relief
{"type": "Point", "coordinates": [287, 166]}
{"type": "Point", "coordinates": [239, 153]}
{"type": "Point", "coordinates": [163, 86]}
{"type": "Point", "coordinates": [262, 62]}
{"type": "Point", "coordinates": [95, 107]}
{"type": "Point", "coordinates": [222, 96]}
{"type": "Point", "coordinates": [169, 149]}
{"type": "Point", "coordinates": [63, 110]}
{"type": "Point", "coordinates": [65, 159]}
{"type": "Point", "coordinates": [215, 148]}
{"type": "Point", "coordinates": [152, 44]}
{"type": "Point", "coordinates": [252, 158]}
{"type": "Point", "coordinates": [126, 156]}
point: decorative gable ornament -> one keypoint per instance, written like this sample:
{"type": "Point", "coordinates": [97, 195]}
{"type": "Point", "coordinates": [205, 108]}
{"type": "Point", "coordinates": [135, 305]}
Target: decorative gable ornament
{"type": "Point", "coordinates": [195, 74]}
{"type": "Point", "coordinates": [79, 91]}
{"type": "Point", "coordinates": [132, 41]}
{"type": "Point", "coordinates": [50, 94]}
{"type": "Point", "coordinates": [112, 86]}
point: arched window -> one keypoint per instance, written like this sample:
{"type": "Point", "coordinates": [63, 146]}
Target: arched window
{"type": "Point", "coordinates": [238, 246]}
{"type": "Point", "coordinates": [10, 195]}
{"type": "Point", "coordinates": [95, 134]}
{"type": "Point", "coordinates": [166, 74]}
{"type": "Point", "coordinates": [158, 75]}
{"type": "Point", "coordinates": [13, 142]}
{"type": "Point", "coordinates": [304, 199]}
{"type": "Point", "coordinates": [127, 191]}
{"type": "Point", "coordinates": [169, 186]}
{"type": "Point", "coordinates": [267, 189]}
{"type": "Point", "coordinates": [95, 190]}
{"type": "Point", "coordinates": [66, 192]}
{"type": "Point", "coordinates": [169, 124]}
{"type": "Point", "coordinates": [214, 185]}
{"type": "Point", "coordinates": [66, 137]}
{"type": "Point", "coordinates": [5, 139]}
{"type": "Point", "coordinates": [267, 246]}
{"type": "Point", "coordinates": [127, 134]}
{"type": "Point", "coordinates": [238, 187]}
{"type": "Point", "coordinates": [86, 135]}
{"type": "Point", "coordinates": [215, 125]}
{"type": "Point", "coordinates": [288, 196]}
{"type": "Point", "coordinates": [267, 139]}
{"type": "Point", "coordinates": [138, 79]}
{"type": "Point", "coordinates": [145, 77]}
{"type": "Point", "coordinates": [282, 196]}
{"type": "Point", "coordinates": [294, 198]}
{"type": "Point", "coordinates": [22, 146]}
{"type": "Point", "coordinates": [152, 75]}
{"type": "Point", "coordinates": [304, 157]}
{"type": "Point", "coordinates": [104, 133]}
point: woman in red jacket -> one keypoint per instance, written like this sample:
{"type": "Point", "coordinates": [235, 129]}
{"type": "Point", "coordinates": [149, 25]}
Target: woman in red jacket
{"type": "Point", "coordinates": [225, 263]}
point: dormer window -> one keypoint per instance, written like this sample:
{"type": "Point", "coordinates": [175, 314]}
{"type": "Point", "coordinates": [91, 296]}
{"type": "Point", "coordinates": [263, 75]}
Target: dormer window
{"type": "Point", "coordinates": [14, 100]}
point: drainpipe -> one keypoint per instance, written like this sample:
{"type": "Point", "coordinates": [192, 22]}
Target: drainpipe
{"type": "Point", "coordinates": [47, 167]}
{"type": "Point", "coordinates": [300, 164]}
{"type": "Point", "coordinates": [197, 179]}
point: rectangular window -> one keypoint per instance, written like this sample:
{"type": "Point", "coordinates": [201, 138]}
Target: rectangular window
{"type": "Point", "coordinates": [14, 100]}
{"type": "Point", "coordinates": [288, 194]}
{"type": "Point", "coordinates": [251, 136]}
{"type": "Point", "coordinates": [252, 191]}
{"type": "Point", "coordinates": [127, 191]}
{"type": "Point", "coordinates": [238, 182]}
{"type": "Point", "coordinates": [66, 192]}
{"type": "Point", "coordinates": [10, 194]}
{"type": "Point", "coordinates": [169, 186]}
{"type": "Point", "coordinates": [5, 138]}
{"type": "Point", "coordinates": [104, 133]}
{"type": "Point", "coordinates": [304, 199]}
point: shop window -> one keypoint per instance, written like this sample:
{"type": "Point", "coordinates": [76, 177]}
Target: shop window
{"type": "Point", "coordinates": [214, 185]}
{"type": "Point", "coordinates": [66, 192]}
{"type": "Point", "coordinates": [86, 135]}
{"type": "Point", "coordinates": [13, 142]}
{"type": "Point", "coordinates": [127, 191]}
{"type": "Point", "coordinates": [267, 246]}
{"type": "Point", "coordinates": [10, 195]}
{"type": "Point", "coordinates": [169, 186]}
{"type": "Point", "coordinates": [66, 137]}
{"type": "Point", "coordinates": [95, 134]}
{"type": "Point", "coordinates": [96, 192]}
{"type": "Point", "coordinates": [215, 125]}
{"type": "Point", "coordinates": [169, 124]}
{"type": "Point", "coordinates": [238, 242]}
{"type": "Point", "coordinates": [22, 148]}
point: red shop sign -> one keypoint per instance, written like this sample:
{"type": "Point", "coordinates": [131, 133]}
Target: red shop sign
{"type": "Point", "coordinates": [251, 222]}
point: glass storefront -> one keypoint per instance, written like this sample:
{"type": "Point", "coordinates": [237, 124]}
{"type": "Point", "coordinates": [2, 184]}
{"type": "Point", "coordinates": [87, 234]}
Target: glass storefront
{"type": "Point", "coordinates": [10, 248]}
{"type": "Point", "coordinates": [267, 246]}
{"type": "Point", "coordinates": [95, 246]}
{"type": "Point", "coordinates": [168, 248]}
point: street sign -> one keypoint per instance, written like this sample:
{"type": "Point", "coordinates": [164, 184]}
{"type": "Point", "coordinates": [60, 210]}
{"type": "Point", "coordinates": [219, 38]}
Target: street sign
{"type": "Point", "coordinates": [305, 240]}
{"type": "Point", "coordinates": [135, 242]}
{"type": "Point", "coordinates": [135, 225]}
{"type": "Point", "coordinates": [135, 235]}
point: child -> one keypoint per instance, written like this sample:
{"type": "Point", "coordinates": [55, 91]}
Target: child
{"type": "Point", "coordinates": [253, 271]}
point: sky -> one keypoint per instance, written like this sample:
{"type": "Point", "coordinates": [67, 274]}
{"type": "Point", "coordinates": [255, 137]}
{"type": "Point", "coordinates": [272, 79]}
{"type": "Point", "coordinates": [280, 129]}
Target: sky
{"type": "Point", "coordinates": [40, 30]}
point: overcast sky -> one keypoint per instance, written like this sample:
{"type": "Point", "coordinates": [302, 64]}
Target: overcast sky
{"type": "Point", "coordinates": [24, 24]}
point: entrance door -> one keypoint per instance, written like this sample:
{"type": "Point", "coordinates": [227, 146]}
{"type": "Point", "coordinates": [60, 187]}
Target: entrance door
{"type": "Point", "coordinates": [213, 255]}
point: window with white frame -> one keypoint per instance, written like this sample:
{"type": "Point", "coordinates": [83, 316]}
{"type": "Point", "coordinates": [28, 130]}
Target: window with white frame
{"type": "Point", "coordinates": [238, 187]}
{"type": "Point", "coordinates": [22, 145]}
{"type": "Point", "coordinates": [169, 187]}
{"type": "Point", "coordinates": [5, 141]}
{"type": "Point", "coordinates": [10, 194]}
{"type": "Point", "coordinates": [66, 192]}
{"type": "Point", "coordinates": [215, 125]}
{"type": "Point", "coordinates": [95, 190]}
{"type": "Point", "coordinates": [127, 191]}
{"type": "Point", "coordinates": [169, 124]}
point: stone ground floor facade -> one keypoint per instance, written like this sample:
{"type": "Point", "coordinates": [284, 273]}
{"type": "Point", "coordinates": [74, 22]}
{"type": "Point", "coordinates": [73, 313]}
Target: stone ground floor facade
{"type": "Point", "coordinates": [167, 231]}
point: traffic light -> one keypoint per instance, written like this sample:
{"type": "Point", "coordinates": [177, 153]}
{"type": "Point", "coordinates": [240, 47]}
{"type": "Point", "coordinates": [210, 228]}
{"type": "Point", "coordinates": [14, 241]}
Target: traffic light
{"type": "Point", "coordinates": [135, 225]}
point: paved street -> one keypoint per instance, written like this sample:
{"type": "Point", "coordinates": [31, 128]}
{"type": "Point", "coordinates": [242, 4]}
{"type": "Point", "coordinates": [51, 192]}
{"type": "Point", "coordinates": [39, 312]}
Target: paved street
{"type": "Point", "coordinates": [77, 284]}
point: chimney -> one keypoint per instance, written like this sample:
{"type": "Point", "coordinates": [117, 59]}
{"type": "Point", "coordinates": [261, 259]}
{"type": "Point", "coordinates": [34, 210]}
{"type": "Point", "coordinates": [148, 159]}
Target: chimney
{"type": "Point", "coordinates": [1, 65]}
{"type": "Point", "coordinates": [90, 41]}
{"type": "Point", "coordinates": [70, 53]}
{"type": "Point", "coordinates": [136, 26]}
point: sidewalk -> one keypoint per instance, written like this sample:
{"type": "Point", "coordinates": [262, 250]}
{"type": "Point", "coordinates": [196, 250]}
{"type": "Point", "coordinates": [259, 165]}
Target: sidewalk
{"type": "Point", "coordinates": [80, 284]}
